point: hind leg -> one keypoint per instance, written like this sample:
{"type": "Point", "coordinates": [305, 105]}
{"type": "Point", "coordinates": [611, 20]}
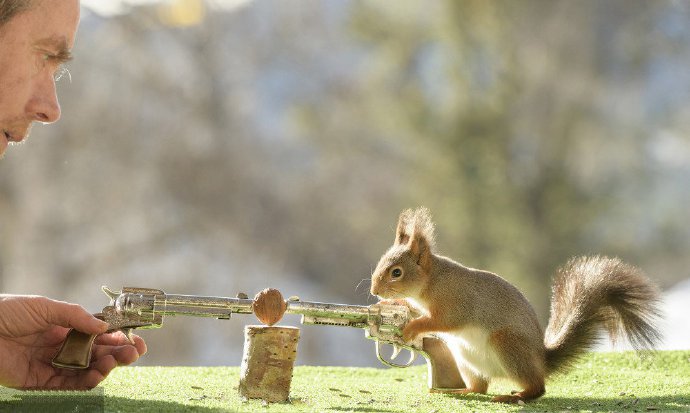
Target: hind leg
{"type": "Point", "coordinates": [475, 382]}
{"type": "Point", "coordinates": [522, 364]}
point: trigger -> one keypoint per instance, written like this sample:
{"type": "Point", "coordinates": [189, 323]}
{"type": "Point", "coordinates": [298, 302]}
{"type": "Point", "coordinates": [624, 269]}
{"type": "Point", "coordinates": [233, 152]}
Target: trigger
{"type": "Point", "coordinates": [396, 351]}
{"type": "Point", "coordinates": [413, 357]}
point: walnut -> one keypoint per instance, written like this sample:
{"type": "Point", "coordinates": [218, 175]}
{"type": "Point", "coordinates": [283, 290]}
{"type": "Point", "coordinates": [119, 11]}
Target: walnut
{"type": "Point", "coordinates": [269, 306]}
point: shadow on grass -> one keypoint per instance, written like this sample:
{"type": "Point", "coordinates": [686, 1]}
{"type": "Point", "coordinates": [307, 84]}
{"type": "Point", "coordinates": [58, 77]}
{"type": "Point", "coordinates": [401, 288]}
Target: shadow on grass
{"type": "Point", "coordinates": [676, 402]}
{"type": "Point", "coordinates": [360, 409]}
{"type": "Point", "coordinates": [45, 401]}
{"type": "Point", "coordinates": [93, 401]}
{"type": "Point", "coordinates": [679, 402]}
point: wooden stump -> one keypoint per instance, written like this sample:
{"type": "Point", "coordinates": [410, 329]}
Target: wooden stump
{"type": "Point", "coordinates": [269, 355]}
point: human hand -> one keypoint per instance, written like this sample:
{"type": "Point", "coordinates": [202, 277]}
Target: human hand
{"type": "Point", "coordinates": [32, 329]}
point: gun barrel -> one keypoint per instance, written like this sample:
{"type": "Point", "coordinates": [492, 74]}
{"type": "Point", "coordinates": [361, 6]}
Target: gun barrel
{"type": "Point", "coordinates": [330, 314]}
{"type": "Point", "coordinates": [152, 305]}
{"type": "Point", "coordinates": [217, 307]}
{"type": "Point", "coordinates": [188, 305]}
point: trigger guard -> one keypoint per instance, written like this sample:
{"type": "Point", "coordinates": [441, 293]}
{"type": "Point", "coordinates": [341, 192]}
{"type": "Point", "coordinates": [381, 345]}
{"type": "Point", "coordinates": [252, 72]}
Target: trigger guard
{"type": "Point", "coordinates": [413, 356]}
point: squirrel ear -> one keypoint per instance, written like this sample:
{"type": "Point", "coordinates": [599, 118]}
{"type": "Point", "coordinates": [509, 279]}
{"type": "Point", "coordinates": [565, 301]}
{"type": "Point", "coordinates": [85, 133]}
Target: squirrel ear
{"type": "Point", "coordinates": [422, 239]}
{"type": "Point", "coordinates": [402, 233]}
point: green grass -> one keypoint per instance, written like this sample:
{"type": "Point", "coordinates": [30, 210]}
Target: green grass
{"type": "Point", "coordinates": [602, 382]}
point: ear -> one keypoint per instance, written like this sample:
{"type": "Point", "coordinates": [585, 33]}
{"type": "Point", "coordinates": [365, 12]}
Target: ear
{"type": "Point", "coordinates": [402, 233]}
{"type": "Point", "coordinates": [422, 239]}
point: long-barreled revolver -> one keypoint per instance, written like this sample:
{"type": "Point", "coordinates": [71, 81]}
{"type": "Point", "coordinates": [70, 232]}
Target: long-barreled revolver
{"type": "Point", "coordinates": [143, 308]}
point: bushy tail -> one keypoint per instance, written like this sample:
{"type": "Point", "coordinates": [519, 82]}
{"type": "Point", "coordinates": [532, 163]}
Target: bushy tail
{"type": "Point", "coordinates": [591, 293]}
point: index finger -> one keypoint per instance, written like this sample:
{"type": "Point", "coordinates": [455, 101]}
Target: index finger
{"type": "Point", "coordinates": [72, 315]}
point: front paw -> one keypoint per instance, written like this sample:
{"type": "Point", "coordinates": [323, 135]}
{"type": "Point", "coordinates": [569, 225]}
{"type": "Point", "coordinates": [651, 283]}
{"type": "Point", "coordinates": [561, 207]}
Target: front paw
{"type": "Point", "coordinates": [410, 333]}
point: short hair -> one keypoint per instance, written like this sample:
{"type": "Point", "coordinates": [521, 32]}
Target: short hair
{"type": "Point", "coordinates": [10, 8]}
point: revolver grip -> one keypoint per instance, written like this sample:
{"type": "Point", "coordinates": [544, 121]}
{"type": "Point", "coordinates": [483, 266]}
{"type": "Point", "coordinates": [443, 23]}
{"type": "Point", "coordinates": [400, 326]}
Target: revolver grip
{"type": "Point", "coordinates": [442, 369]}
{"type": "Point", "coordinates": [75, 352]}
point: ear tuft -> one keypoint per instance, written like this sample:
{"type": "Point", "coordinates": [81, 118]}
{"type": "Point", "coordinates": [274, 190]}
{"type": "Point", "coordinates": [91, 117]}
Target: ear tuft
{"type": "Point", "coordinates": [423, 227]}
{"type": "Point", "coordinates": [422, 241]}
{"type": "Point", "coordinates": [404, 229]}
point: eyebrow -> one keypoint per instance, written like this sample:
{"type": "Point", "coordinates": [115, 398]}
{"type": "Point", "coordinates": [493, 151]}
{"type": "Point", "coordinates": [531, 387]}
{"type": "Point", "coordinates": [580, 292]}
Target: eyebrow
{"type": "Point", "coordinates": [58, 45]}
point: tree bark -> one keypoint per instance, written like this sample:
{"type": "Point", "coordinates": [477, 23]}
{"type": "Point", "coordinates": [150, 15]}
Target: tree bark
{"type": "Point", "coordinates": [267, 362]}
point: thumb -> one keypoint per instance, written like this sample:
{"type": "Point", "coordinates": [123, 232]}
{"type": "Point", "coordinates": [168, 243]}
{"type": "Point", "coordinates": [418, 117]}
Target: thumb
{"type": "Point", "coordinates": [73, 316]}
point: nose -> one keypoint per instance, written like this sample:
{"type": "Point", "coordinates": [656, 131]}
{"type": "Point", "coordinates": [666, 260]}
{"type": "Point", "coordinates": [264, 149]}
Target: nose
{"type": "Point", "coordinates": [43, 106]}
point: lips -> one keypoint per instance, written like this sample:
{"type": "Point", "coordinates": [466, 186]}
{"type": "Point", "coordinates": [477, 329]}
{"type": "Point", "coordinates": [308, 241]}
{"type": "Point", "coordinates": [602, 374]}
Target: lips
{"type": "Point", "coordinates": [12, 138]}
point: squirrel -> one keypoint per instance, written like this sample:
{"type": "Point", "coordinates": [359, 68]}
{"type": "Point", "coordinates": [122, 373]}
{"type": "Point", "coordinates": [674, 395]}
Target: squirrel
{"type": "Point", "coordinates": [490, 327]}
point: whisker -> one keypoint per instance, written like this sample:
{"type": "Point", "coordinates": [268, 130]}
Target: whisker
{"type": "Point", "coordinates": [360, 283]}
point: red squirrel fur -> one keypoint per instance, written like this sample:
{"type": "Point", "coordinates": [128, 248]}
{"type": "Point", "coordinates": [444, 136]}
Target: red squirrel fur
{"type": "Point", "coordinates": [491, 328]}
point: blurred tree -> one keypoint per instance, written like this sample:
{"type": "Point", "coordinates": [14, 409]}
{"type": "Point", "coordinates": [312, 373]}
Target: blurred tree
{"type": "Point", "coordinates": [504, 109]}
{"type": "Point", "coordinates": [275, 144]}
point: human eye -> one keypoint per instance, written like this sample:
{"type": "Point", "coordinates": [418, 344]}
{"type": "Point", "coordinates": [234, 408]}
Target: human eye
{"type": "Point", "coordinates": [56, 64]}
{"type": "Point", "coordinates": [58, 57]}
{"type": "Point", "coordinates": [55, 61]}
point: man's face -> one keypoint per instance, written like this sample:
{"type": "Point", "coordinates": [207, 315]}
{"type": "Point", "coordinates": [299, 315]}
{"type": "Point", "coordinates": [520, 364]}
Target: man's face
{"type": "Point", "coordinates": [33, 45]}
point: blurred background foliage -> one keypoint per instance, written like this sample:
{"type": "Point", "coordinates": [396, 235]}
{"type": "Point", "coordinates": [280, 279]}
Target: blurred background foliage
{"type": "Point", "coordinates": [211, 147]}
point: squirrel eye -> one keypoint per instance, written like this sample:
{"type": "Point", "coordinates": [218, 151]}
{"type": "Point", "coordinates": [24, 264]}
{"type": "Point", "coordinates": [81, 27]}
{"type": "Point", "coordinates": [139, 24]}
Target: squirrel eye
{"type": "Point", "coordinates": [396, 273]}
